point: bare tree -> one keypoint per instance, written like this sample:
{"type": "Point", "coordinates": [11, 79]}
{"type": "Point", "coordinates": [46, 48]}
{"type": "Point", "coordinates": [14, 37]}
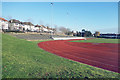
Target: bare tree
{"type": "Point", "coordinates": [47, 25]}
{"type": "Point", "coordinates": [29, 20]}
{"type": "Point", "coordinates": [64, 30]}
{"type": "Point", "coordinates": [56, 29]}
{"type": "Point", "coordinates": [8, 17]}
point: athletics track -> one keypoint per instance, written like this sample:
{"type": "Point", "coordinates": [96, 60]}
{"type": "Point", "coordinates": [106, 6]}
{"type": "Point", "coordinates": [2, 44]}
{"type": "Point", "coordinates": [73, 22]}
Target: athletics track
{"type": "Point", "coordinates": [101, 55]}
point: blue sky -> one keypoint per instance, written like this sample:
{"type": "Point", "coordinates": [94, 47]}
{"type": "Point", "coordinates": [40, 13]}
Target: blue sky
{"type": "Point", "coordinates": [93, 16]}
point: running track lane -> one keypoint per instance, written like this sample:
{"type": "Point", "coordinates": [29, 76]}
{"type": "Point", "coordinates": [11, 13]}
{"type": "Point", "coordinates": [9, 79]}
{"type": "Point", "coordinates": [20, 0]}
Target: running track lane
{"type": "Point", "coordinates": [102, 55]}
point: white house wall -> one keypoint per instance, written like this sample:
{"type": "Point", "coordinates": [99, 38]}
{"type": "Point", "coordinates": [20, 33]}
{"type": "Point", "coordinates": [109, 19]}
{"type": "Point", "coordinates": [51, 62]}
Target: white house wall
{"type": "Point", "coordinates": [0, 24]}
{"type": "Point", "coordinates": [44, 29]}
{"type": "Point", "coordinates": [11, 27]}
{"type": "Point", "coordinates": [36, 29]}
{"type": "Point", "coordinates": [14, 26]}
{"type": "Point", "coordinates": [27, 27]}
{"type": "Point", "coordinates": [3, 24]}
{"type": "Point", "coordinates": [51, 30]}
{"type": "Point", "coordinates": [32, 28]}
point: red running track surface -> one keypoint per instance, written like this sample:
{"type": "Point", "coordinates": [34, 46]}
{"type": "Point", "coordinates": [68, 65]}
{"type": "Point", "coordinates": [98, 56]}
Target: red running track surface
{"type": "Point", "coordinates": [102, 55]}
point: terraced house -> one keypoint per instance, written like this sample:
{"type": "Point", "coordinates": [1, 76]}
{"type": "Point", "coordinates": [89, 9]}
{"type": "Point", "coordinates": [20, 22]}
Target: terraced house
{"type": "Point", "coordinates": [27, 26]}
{"type": "Point", "coordinates": [43, 29]}
{"type": "Point", "coordinates": [14, 25]}
{"type": "Point", "coordinates": [47, 29]}
{"type": "Point", "coordinates": [3, 24]}
{"type": "Point", "coordinates": [37, 28]}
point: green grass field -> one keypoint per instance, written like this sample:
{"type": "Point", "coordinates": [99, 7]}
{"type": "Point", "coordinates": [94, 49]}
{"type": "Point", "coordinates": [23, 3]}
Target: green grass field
{"type": "Point", "coordinates": [99, 40]}
{"type": "Point", "coordinates": [24, 59]}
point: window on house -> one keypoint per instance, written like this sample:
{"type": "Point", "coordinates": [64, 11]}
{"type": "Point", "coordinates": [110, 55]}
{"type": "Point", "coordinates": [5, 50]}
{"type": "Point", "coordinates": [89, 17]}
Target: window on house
{"type": "Point", "coordinates": [16, 23]}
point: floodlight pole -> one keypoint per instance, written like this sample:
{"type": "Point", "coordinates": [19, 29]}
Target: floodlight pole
{"type": "Point", "coordinates": [51, 18]}
{"type": "Point", "coordinates": [67, 21]}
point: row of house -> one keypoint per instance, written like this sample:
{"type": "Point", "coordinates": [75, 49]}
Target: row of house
{"type": "Point", "coordinates": [16, 25]}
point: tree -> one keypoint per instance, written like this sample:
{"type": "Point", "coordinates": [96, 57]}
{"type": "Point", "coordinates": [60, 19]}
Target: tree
{"type": "Point", "coordinates": [83, 30]}
{"type": "Point", "coordinates": [8, 17]}
{"type": "Point", "coordinates": [88, 33]}
{"type": "Point", "coordinates": [65, 30]}
{"type": "Point", "coordinates": [56, 29]}
{"type": "Point", "coordinates": [83, 33]}
{"type": "Point", "coordinates": [97, 33]}
{"type": "Point", "coordinates": [79, 34]}
{"type": "Point", "coordinates": [29, 20]}
{"type": "Point", "coordinates": [68, 33]}
{"type": "Point", "coordinates": [47, 27]}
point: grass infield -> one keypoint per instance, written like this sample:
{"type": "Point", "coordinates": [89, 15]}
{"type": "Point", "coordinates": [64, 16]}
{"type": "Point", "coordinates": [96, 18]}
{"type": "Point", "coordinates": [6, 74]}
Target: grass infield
{"type": "Point", "coordinates": [99, 40]}
{"type": "Point", "coordinates": [24, 59]}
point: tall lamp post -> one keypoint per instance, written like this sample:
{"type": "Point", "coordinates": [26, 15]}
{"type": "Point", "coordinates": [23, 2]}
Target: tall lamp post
{"type": "Point", "coordinates": [51, 18]}
{"type": "Point", "coordinates": [67, 21]}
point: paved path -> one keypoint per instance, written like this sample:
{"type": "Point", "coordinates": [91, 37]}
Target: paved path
{"type": "Point", "coordinates": [102, 55]}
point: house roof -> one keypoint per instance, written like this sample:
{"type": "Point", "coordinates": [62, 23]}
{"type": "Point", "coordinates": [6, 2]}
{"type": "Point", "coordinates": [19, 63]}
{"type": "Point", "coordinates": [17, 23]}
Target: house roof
{"type": "Point", "coordinates": [37, 25]}
{"type": "Point", "coordinates": [14, 21]}
{"type": "Point", "coordinates": [43, 26]}
{"type": "Point", "coordinates": [3, 19]}
{"type": "Point", "coordinates": [27, 23]}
